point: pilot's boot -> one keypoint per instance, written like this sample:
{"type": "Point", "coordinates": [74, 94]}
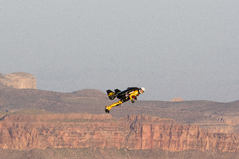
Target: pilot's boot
{"type": "Point", "coordinates": [107, 108]}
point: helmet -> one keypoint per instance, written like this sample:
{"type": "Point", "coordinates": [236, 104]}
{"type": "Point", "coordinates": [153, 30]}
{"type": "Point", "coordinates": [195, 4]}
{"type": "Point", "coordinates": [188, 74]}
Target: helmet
{"type": "Point", "coordinates": [143, 89]}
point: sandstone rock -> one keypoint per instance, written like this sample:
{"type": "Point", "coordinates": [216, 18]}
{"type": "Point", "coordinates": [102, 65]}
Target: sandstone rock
{"type": "Point", "coordinates": [135, 132]}
{"type": "Point", "coordinates": [19, 80]}
{"type": "Point", "coordinates": [178, 99]}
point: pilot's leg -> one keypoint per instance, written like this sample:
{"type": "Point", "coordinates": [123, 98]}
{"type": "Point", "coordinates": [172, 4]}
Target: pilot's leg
{"type": "Point", "coordinates": [107, 108]}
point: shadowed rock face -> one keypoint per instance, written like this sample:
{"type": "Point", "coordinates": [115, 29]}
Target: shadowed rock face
{"type": "Point", "coordinates": [135, 132]}
{"type": "Point", "coordinates": [19, 80]}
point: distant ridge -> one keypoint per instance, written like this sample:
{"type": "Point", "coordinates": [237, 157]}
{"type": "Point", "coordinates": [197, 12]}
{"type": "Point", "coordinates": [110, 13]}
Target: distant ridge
{"type": "Point", "coordinates": [178, 99]}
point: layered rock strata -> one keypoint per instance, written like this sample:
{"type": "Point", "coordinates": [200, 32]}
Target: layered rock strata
{"type": "Point", "coordinates": [87, 130]}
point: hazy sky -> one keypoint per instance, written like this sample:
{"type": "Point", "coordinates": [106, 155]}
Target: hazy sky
{"type": "Point", "coordinates": [186, 48]}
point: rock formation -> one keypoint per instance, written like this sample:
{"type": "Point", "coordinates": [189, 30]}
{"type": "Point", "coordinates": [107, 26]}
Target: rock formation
{"type": "Point", "coordinates": [133, 132]}
{"type": "Point", "coordinates": [178, 99]}
{"type": "Point", "coordinates": [18, 80]}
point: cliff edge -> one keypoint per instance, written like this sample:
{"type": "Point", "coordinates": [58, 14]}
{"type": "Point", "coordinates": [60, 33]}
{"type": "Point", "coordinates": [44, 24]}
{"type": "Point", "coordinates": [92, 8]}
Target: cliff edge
{"type": "Point", "coordinates": [134, 132]}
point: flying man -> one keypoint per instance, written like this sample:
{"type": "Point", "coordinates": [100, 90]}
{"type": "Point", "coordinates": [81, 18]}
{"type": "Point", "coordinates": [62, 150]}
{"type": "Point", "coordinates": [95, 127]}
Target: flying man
{"type": "Point", "coordinates": [130, 93]}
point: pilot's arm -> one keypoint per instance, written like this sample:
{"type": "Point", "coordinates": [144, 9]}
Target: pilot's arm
{"type": "Point", "coordinates": [133, 95]}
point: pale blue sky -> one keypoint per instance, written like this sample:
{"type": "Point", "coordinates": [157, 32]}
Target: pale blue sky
{"type": "Point", "coordinates": [187, 48]}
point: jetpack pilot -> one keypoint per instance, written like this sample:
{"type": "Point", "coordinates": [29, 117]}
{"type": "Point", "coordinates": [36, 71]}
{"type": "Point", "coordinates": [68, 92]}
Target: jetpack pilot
{"type": "Point", "coordinates": [130, 93]}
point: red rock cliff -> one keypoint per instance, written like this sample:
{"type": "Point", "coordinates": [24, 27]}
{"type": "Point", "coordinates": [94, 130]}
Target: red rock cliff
{"type": "Point", "coordinates": [104, 131]}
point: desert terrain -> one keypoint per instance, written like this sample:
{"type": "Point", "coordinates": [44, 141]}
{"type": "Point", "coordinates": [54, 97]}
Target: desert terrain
{"type": "Point", "coordinates": [45, 124]}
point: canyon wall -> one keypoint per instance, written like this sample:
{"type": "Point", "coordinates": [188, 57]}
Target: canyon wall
{"type": "Point", "coordinates": [103, 131]}
{"type": "Point", "coordinates": [19, 80]}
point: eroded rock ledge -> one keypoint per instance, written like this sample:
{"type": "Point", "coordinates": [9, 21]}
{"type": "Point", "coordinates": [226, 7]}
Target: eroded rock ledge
{"type": "Point", "coordinates": [23, 131]}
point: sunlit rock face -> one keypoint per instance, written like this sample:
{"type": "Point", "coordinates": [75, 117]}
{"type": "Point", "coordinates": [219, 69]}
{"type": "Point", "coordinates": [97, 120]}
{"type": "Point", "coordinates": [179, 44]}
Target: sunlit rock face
{"type": "Point", "coordinates": [19, 80]}
{"type": "Point", "coordinates": [134, 132]}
